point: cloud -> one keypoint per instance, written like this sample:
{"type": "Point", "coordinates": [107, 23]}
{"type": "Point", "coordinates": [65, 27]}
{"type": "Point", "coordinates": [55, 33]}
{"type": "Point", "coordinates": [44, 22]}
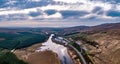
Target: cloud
{"type": "Point", "coordinates": [44, 16]}
{"type": "Point", "coordinates": [23, 4]}
{"type": "Point", "coordinates": [113, 13]}
{"type": "Point", "coordinates": [75, 14]}
{"type": "Point", "coordinates": [96, 9]}
{"type": "Point", "coordinates": [57, 15]}
{"type": "Point", "coordinates": [35, 0]}
{"type": "Point", "coordinates": [11, 17]}
{"type": "Point", "coordinates": [72, 1]}
{"type": "Point", "coordinates": [110, 1]}
{"type": "Point", "coordinates": [23, 11]}
{"type": "Point", "coordinates": [34, 14]}
{"type": "Point", "coordinates": [50, 12]}
{"type": "Point", "coordinates": [59, 9]}
{"type": "Point", "coordinates": [3, 2]}
{"type": "Point", "coordinates": [92, 17]}
{"type": "Point", "coordinates": [101, 12]}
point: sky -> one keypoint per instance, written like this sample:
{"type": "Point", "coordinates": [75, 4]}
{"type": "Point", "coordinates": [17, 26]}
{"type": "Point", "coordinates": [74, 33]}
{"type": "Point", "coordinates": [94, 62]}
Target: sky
{"type": "Point", "coordinates": [58, 13]}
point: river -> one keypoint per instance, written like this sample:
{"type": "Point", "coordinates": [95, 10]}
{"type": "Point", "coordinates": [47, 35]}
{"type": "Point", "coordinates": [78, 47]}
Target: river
{"type": "Point", "coordinates": [57, 48]}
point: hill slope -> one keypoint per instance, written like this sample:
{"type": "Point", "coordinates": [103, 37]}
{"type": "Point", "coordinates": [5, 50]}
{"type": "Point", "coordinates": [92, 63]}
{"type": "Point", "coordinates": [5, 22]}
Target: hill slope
{"type": "Point", "coordinates": [107, 36]}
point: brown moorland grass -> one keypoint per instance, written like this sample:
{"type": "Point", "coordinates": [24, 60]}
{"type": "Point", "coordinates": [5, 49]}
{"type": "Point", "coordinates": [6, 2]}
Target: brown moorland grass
{"type": "Point", "coordinates": [44, 57]}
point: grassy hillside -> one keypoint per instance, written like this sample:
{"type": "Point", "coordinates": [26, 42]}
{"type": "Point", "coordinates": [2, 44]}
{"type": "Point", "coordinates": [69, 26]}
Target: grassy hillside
{"type": "Point", "coordinates": [9, 58]}
{"type": "Point", "coordinates": [20, 40]}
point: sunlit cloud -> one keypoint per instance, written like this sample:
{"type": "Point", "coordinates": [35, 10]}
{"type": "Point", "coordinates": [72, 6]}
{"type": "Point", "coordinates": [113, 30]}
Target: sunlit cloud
{"type": "Point", "coordinates": [58, 10]}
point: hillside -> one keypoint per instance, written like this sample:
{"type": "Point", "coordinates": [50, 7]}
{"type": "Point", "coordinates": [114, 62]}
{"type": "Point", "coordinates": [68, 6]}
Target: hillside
{"type": "Point", "coordinates": [102, 27]}
{"type": "Point", "coordinates": [88, 29]}
{"type": "Point", "coordinates": [72, 30]}
{"type": "Point", "coordinates": [107, 36]}
{"type": "Point", "coordinates": [10, 58]}
{"type": "Point", "coordinates": [109, 47]}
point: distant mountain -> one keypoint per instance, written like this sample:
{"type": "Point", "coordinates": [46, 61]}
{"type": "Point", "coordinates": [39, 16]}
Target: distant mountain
{"type": "Point", "coordinates": [76, 29]}
{"type": "Point", "coordinates": [103, 27]}
{"type": "Point", "coordinates": [90, 29]}
{"type": "Point", "coordinates": [69, 30]}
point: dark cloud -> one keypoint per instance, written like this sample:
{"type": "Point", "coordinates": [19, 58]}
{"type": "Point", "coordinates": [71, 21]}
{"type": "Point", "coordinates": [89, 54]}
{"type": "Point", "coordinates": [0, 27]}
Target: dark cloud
{"type": "Point", "coordinates": [34, 14]}
{"type": "Point", "coordinates": [30, 4]}
{"type": "Point", "coordinates": [101, 12]}
{"type": "Point", "coordinates": [96, 9]}
{"type": "Point", "coordinates": [92, 17]}
{"type": "Point", "coordinates": [110, 1]}
{"type": "Point", "coordinates": [50, 12]}
{"type": "Point", "coordinates": [2, 17]}
{"type": "Point", "coordinates": [10, 17]}
{"type": "Point", "coordinates": [23, 3]}
{"type": "Point", "coordinates": [113, 13]}
{"type": "Point", "coordinates": [118, 1]}
{"type": "Point", "coordinates": [74, 14]}
{"type": "Point", "coordinates": [113, 1]}
{"type": "Point", "coordinates": [2, 3]}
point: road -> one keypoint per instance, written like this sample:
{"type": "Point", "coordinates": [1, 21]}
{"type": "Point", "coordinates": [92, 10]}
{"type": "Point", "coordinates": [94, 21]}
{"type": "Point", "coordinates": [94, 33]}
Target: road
{"type": "Point", "coordinates": [62, 41]}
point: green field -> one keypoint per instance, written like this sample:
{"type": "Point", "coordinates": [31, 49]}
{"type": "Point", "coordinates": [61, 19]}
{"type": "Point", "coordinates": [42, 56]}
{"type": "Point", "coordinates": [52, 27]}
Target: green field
{"type": "Point", "coordinates": [23, 39]}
